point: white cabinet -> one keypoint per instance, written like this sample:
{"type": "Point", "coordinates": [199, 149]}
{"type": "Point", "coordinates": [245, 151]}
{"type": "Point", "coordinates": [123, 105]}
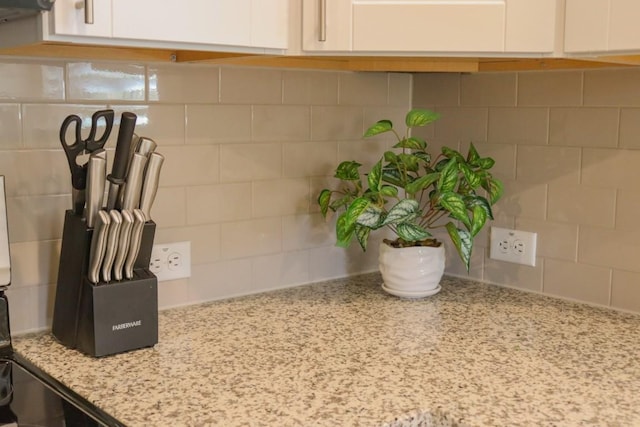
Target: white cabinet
{"type": "Point", "coordinates": [602, 26]}
{"type": "Point", "coordinates": [226, 25]}
{"type": "Point", "coordinates": [430, 26]}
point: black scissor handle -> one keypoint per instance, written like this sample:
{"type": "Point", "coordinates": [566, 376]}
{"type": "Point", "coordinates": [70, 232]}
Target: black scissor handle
{"type": "Point", "coordinates": [77, 146]}
{"type": "Point", "coordinates": [93, 144]}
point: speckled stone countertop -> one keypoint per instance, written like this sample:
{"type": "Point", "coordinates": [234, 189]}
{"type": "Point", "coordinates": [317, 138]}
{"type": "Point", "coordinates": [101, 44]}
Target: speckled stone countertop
{"type": "Point", "coordinates": [344, 353]}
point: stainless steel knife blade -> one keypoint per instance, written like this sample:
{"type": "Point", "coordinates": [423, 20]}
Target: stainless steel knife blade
{"type": "Point", "coordinates": [131, 199]}
{"type": "Point", "coordinates": [98, 244]}
{"type": "Point", "coordinates": [96, 175]}
{"type": "Point", "coordinates": [134, 245]}
{"type": "Point", "coordinates": [112, 244]}
{"type": "Point", "coordinates": [146, 146]}
{"type": "Point", "coordinates": [123, 244]}
{"type": "Point", "coordinates": [151, 181]}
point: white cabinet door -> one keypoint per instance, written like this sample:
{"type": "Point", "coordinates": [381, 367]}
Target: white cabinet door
{"type": "Point", "coordinates": [602, 26]}
{"type": "Point", "coordinates": [438, 26]}
{"type": "Point", "coordinates": [68, 19]}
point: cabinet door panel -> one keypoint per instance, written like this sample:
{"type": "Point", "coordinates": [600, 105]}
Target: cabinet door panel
{"type": "Point", "coordinates": [586, 25]}
{"type": "Point", "coordinates": [337, 25]}
{"type": "Point", "coordinates": [434, 26]}
{"type": "Point", "coordinates": [531, 26]}
{"type": "Point", "coordinates": [624, 31]}
{"type": "Point", "coordinates": [68, 19]}
{"type": "Point", "coordinates": [270, 23]}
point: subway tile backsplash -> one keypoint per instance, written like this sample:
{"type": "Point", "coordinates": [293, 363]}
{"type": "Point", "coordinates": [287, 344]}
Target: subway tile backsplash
{"type": "Point", "coordinates": [247, 150]}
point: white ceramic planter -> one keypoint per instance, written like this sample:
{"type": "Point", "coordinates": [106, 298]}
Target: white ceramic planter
{"type": "Point", "coordinates": [411, 272]}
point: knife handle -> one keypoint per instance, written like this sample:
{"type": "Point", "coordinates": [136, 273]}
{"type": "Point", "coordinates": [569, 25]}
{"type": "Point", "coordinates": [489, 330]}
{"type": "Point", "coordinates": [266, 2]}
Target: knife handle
{"type": "Point", "coordinates": [151, 181]}
{"type": "Point", "coordinates": [131, 199]}
{"type": "Point", "coordinates": [112, 243]}
{"type": "Point", "coordinates": [123, 244]}
{"type": "Point", "coordinates": [98, 244]}
{"type": "Point", "coordinates": [96, 173]}
{"type": "Point", "coordinates": [134, 244]}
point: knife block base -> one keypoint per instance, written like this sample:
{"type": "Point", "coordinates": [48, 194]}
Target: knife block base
{"type": "Point", "coordinates": [74, 305]}
{"type": "Point", "coordinates": [119, 316]}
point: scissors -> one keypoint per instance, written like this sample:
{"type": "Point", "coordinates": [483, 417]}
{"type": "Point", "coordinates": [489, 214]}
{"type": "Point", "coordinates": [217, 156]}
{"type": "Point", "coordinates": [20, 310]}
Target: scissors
{"type": "Point", "coordinates": [80, 147]}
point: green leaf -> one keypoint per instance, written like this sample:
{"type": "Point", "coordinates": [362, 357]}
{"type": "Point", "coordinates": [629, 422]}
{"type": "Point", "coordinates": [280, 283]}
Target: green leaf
{"type": "Point", "coordinates": [336, 204]}
{"type": "Point", "coordinates": [475, 200]}
{"type": "Point", "coordinates": [344, 231]}
{"type": "Point", "coordinates": [486, 163]}
{"type": "Point", "coordinates": [392, 176]}
{"type": "Point", "coordinates": [494, 187]}
{"type": "Point", "coordinates": [379, 127]}
{"type": "Point", "coordinates": [389, 191]}
{"type": "Point", "coordinates": [425, 157]}
{"type": "Point", "coordinates": [391, 157]}
{"type": "Point", "coordinates": [405, 210]}
{"type": "Point", "coordinates": [450, 154]}
{"type": "Point", "coordinates": [412, 143]}
{"type": "Point", "coordinates": [462, 241]}
{"type": "Point", "coordinates": [419, 117]}
{"type": "Point", "coordinates": [348, 171]}
{"type": "Point", "coordinates": [454, 204]}
{"type": "Point", "coordinates": [362, 234]}
{"type": "Point", "coordinates": [472, 178]}
{"type": "Point", "coordinates": [355, 209]}
{"type": "Point", "coordinates": [410, 232]}
{"type": "Point", "coordinates": [448, 176]}
{"type": "Point", "coordinates": [375, 176]}
{"type": "Point", "coordinates": [323, 201]}
{"type": "Point", "coordinates": [371, 217]}
{"type": "Point", "coordinates": [473, 156]}
{"type": "Point", "coordinates": [409, 161]}
{"type": "Point", "coordinates": [479, 219]}
{"type": "Point", "coordinates": [422, 183]}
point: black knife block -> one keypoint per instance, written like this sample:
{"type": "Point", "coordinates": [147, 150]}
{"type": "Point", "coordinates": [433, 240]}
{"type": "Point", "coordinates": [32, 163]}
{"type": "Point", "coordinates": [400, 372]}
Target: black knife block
{"type": "Point", "coordinates": [105, 318]}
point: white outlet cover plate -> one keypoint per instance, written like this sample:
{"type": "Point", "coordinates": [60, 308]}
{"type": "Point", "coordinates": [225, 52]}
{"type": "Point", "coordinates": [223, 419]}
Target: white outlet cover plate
{"type": "Point", "coordinates": [162, 252]}
{"type": "Point", "coordinates": [521, 246]}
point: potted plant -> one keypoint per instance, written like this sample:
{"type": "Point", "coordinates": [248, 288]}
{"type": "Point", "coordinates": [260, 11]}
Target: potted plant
{"type": "Point", "coordinates": [411, 192]}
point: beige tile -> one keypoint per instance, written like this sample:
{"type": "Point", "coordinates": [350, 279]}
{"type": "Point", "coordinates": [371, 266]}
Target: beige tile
{"type": "Point", "coordinates": [577, 281]}
{"type": "Point", "coordinates": [280, 123]}
{"type": "Point", "coordinates": [630, 128]}
{"type": "Point", "coordinates": [41, 123]}
{"type": "Point", "coordinates": [503, 154]}
{"type": "Point", "coordinates": [627, 208]}
{"type": "Point", "coordinates": [280, 270]}
{"type": "Point", "coordinates": [400, 85]}
{"type": "Point", "coordinates": [611, 168]}
{"type": "Point", "coordinates": [33, 218]}
{"type": "Point", "coordinates": [173, 293]}
{"type": "Point", "coordinates": [488, 89]}
{"type": "Point", "coordinates": [612, 87]}
{"type": "Point", "coordinates": [558, 165]}
{"type": "Point", "coordinates": [190, 165]}
{"type": "Point", "coordinates": [555, 239]}
{"type": "Point", "coordinates": [205, 240]}
{"type": "Point", "coordinates": [210, 204]}
{"type": "Point", "coordinates": [35, 304]}
{"type": "Point", "coordinates": [250, 238]}
{"type": "Point", "coordinates": [90, 81]}
{"type": "Point", "coordinates": [336, 123]}
{"type": "Point", "coordinates": [218, 123]}
{"type": "Point", "coordinates": [625, 290]}
{"type": "Point", "coordinates": [35, 263]}
{"type": "Point", "coordinates": [519, 125]}
{"type": "Point", "coordinates": [330, 262]}
{"type": "Point", "coordinates": [514, 275]}
{"type": "Point", "coordinates": [183, 83]}
{"type": "Point", "coordinates": [310, 87]}
{"type": "Point", "coordinates": [250, 85]}
{"type": "Point", "coordinates": [579, 204]}
{"type": "Point", "coordinates": [551, 88]}
{"type": "Point", "coordinates": [222, 279]}
{"type": "Point", "coordinates": [584, 127]}
{"type": "Point", "coordinates": [462, 124]}
{"type": "Point", "coordinates": [42, 81]}
{"type": "Point", "coordinates": [363, 89]}
{"type": "Point", "coordinates": [525, 200]}
{"type": "Point", "coordinates": [247, 162]}
{"type": "Point", "coordinates": [455, 266]}
{"type": "Point", "coordinates": [307, 231]}
{"type": "Point", "coordinates": [309, 158]}
{"type": "Point", "coordinates": [165, 124]}
{"type": "Point", "coordinates": [441, 89]}
{"type": "Point", "coordinates": [609, 248]}
{"type": "Point", "coordinates": [35, 172]}
{"type": "Point", "coordinates": [169, 208]}
{"type": "Point", "coordinates": [11, 135]}
{"type": "Point", "coordinates": [280, 197]}
{"type": "Point", "coordinates": [365, 152]}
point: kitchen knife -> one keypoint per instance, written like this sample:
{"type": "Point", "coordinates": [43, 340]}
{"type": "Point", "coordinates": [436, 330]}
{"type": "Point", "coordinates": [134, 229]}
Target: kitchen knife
{"type": "Point", "coordinates": [134, 244]}
{"type": "Point", "coordinates": [123, 244]}
{"type": "Point", "coordinates": [121, 158]}
{"type": "Point", "coordinates": [150, 185]}
{"type": "Point", "coordinates": [131, 199]}
{"type": "Point", "coordinates": [112, 244]}
{"type": "Point", "coordinates": [146, 146]}
{"type": "Point", "coordinates": [98, 243]}
{"type": "Point", "coordinates": [96, 174]}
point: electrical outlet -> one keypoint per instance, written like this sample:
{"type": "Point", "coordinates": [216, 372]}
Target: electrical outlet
{"type": "Point", "coordinates": [513, 246]}
{"type": "Point", "coordinates": [170, 261]}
